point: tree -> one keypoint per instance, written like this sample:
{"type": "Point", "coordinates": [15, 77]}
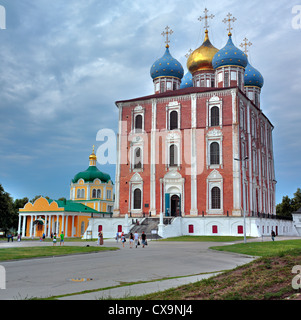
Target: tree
{"type": "Point", "coordinates": [287, 206]}
{"type": "Point", "coordinates": [7, 211]}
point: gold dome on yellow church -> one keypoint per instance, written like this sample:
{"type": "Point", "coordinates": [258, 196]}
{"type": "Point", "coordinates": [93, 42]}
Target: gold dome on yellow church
{"type": "Point", "coordinates": [201, 58]}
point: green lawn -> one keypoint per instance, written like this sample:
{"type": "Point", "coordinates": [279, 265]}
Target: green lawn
{"type": "Point", "coordinates": [261, 249]}
{"type": "Point", "coordinates": [46, 251]}
{"type": "Point", "coordinates": [205, 238]}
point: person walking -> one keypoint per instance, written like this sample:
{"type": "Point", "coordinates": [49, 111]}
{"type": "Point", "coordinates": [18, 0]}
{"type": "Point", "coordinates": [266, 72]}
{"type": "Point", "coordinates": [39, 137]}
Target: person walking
{"type": "Point", "coordinates": [62, 238]}
{"type": "Point", "coordinates": [273, 235]}
{"type": "Point", "coordinates": [54, 239]}
{"type": "Point", "coordinates": [123, 240]}
{"type": "Point", "coordinates": [136, 237]}
{"type": "Point", "coordinates": [143, 239]}
{"type": "Point", "coordinates": [131, 240]}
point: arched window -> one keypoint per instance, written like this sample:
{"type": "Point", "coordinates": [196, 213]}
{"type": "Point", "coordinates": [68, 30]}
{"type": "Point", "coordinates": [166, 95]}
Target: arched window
{"type": "Point", "coordinates": [214, 153]}
{"type": "Point", "coordinates": [98, 195]}
{"type": "Point", "coordinates": [82, 228]}
{"type": "Point", "coordinates": [78, 193]}
{"type": "Point", "coordinates": [138, 122]}
{"type": "Point", "coordinates": [137, 159]}
{"type": "Point", "coordinates": [215, 198]}
{"type": "Point", "coordinates": [82, 193]}
{"type": "Point", "coordinates": [173, 155]}
{"type": "Point", "coordinates": [214, 116]}
{"type": "Point", "coordinates": [173, 120]}
{"type": "Point", "coordinates": [137, 199]}
{"type": "Point", "coordinates": [94, 193]}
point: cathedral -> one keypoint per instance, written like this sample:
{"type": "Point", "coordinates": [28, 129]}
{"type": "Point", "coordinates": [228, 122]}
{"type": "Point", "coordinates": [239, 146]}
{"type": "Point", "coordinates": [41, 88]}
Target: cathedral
{"type": "Point", "coordinates": [193, 158]}
{"type": "Point", "coordinates": [200, 146]}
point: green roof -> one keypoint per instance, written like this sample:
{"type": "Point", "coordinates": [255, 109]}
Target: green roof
{"type": "Point", "coordinates": [91, 174]}
{"type": "Point", "coordinates": [70, 206]}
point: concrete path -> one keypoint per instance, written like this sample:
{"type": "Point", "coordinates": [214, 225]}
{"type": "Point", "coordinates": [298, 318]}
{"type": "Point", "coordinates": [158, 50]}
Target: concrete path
{"type": "Point", "coordinates": [44, 277]}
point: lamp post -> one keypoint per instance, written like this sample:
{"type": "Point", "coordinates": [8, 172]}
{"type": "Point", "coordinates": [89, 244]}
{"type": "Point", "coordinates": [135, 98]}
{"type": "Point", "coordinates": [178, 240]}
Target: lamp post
{"type": "Point", "coordinates": [246, 158]}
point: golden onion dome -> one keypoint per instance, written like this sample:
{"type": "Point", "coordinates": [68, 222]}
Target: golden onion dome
{"type": "Point", "coordinates": [201, 58]}
{"type": "Point", "coordinates": [92, 155]}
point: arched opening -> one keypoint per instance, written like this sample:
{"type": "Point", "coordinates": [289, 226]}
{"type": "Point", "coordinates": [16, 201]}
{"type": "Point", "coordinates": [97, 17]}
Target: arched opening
{"type": "Point", "coordinates": [214, 116]}
{"type": "Point", "coordinates": [173, 120]}
{"type": "Point", "coordinates": [137, 199]}
{"type": "Point", "coordinates": [175, 206]}
{"type": "Point", "coordinates": [138, 123]}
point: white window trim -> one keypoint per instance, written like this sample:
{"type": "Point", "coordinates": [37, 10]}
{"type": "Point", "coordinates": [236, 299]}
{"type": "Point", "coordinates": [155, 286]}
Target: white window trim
{"type": "Point", "coordinates": [214, 136]}
{"type": "Point", "coordinates": [138, 110]}
{"type": "Point", "coordinates": [214, 102]}
{"type": "Point", "coordinates": [173, 106]}
{"type": "Point", "coordinates": [173, 137]}
{"type": "Point", "coordinates": [214, 180]}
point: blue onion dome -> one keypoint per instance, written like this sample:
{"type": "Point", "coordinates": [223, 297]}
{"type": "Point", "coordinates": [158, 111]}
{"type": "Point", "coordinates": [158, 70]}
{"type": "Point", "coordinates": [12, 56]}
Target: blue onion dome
{"type": "Point", "coordinates": [253, 77]}
{"type": "Point", "coordinates": [167, 66]}
{"type": "Point", "coordinates": [186, 81]}
{"type": "Point", "coordinates": [230, 56]}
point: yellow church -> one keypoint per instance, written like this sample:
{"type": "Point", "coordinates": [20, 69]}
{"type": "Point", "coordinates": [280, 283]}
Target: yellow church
{"type": "Point", "coordinates": [91, 196]}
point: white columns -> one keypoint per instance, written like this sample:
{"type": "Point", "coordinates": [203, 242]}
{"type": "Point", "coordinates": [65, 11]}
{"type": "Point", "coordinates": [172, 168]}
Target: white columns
{"type": "Point", "coordinates": [66, 228]}
{"type": "Point", "coordinates": [62, 228]}
{"type": "Point", "coordinates": [57, 224]}
{"type": "Point", "coordinates": [193, 209]}
{"type": "Point", "coordinates": [23, 226]}
{"type": "Point", "coordinates": [72, 228]}
{"type": "Point", "coordinates": [153, 160]}
{"type": "Point", "coordinates": [19, 224]}
{"type": "Point", "coordinates": [31, 225]}
{"type": "Point", "coordinates": [49, 226]}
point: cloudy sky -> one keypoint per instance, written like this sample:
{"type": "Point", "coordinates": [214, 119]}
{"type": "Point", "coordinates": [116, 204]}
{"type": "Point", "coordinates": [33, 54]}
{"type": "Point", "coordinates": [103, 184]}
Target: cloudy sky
{"type": "Point", "coordinates": [63, 64]}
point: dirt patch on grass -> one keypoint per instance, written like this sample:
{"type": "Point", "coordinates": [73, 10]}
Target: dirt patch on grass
{"type": "Point", "coordinates": [267, 278]}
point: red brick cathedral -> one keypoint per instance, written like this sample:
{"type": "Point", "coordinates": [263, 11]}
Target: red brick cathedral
{"type": "Point", "coordinates": [200, 146]}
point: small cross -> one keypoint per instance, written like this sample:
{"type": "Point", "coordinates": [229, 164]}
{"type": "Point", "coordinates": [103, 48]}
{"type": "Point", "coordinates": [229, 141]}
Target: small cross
{"type": "Point", "coordinates": [188, 53]}
{"type": "Point", "coordinates": [246, 45]}
{"type": "Point", "coordinates": [229, 20]}
{"type": "Point", "coordinates": [93, 148]}
{"type": "Point", "coordinates": [206, 18]}
{"type": "Point", "coordinates": [168, 32]}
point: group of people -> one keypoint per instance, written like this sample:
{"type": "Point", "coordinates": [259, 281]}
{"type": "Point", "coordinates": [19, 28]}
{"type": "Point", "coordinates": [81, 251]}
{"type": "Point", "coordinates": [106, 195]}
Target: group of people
{"type": "Point", "coordinates": [62, 236]}
{"type": "Point", "coordinates": [134, 239]}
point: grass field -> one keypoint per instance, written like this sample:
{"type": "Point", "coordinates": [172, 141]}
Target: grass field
{"type": "Point", "coordinates": [261, 249]}
{"type": "Point", "coordinates": [46, 251]}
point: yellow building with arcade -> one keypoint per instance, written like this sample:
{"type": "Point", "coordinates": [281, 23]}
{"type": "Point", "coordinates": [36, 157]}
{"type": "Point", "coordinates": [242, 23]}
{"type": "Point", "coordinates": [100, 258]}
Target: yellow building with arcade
{"type": "Point", "coordinates": [91, 196]}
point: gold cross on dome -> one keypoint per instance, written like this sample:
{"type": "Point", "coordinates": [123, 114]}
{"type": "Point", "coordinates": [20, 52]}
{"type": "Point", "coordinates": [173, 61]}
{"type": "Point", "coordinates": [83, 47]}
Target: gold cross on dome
{"type": "Point", "coordinates": [166, 34]}
{"type": "Point", "coordinates": [188, 53]}
{"type": "Point", "coordinates": [206, 18]}
{"type": "Point", "coordinates": [229, 20]}
{"type": "Point", "coordinates": [246, 44]}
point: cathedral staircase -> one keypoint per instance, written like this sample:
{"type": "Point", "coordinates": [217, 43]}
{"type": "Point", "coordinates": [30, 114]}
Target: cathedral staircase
{"type": "Point", "coordinates": [147, 225]}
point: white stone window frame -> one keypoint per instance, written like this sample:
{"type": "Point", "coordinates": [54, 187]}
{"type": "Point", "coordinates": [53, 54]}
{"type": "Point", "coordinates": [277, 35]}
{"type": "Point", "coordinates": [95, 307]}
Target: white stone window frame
{"type": "Point", "coordinates": [136, 182]}
{"type": "Point", "coordinates": [215, 179]}
{"type": "Point", "coordinates": [242, 117]}
{"type": "Point", "coordinates": [138, 110]}
{"type": "Point", "coordinates": [173, 106]}
{"type": "Point", "coordinates": [137, 142]}
{"type": "Point", "coordinates": [173, 138]}
{"type": "Point", "coordinates": [214, 102]}
{"type": "Point", "coordinates": [214, 135]}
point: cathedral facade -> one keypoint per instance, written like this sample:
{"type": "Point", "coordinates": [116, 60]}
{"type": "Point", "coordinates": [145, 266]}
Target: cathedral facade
{"type": "Point", "coordinates": [201, 145]}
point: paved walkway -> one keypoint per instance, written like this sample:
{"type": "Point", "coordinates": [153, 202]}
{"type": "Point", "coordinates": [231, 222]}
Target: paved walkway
{"type": "Point", "coordinates": [44, 277]}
